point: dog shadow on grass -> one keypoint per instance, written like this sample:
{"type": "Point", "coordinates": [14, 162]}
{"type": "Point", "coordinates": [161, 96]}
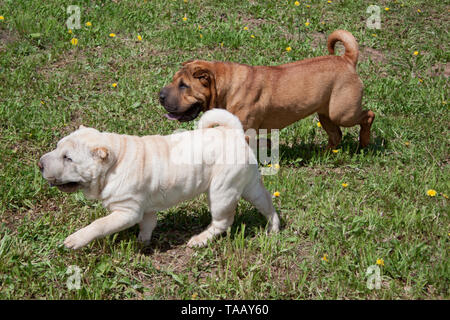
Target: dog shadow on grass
{"type": "Point", "coordinates": [176, 228]}
{"type": "Point", "coordinates": [310, 153]}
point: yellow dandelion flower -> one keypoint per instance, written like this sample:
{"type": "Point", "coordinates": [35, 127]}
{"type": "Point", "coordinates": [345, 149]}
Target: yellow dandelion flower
{"type": "Point", "coordinates": [307, 23]}
{"type": "Point", "coordinates": [74, 41]}
{"type": "Point", "coordinates": [416, 53]}
{"type": "Point", "coordinates": [252, 36]}
{"type": "Point", "coordinates": [42, 102]}
{"type": "Point", "coordinates": [88, 24]}
{"type": "Point", "coordinates": [297, 3]}
{"type": "Point", "coordinates": [345, 185]}
{"type": "Point", "coordinates": [201, 36]}
{"type": "Point", "coordinates": [139, 37]}
{"type": "Point", "coordinates": [325, 257]}
{"type": "Point", "coordinates": [407, 143]}
{"type": "Point", "coordinates": [419, 11]}
{"type": "Point", "coordinates": [221, 44]}
{"type": "Point", "coordinates": [269, 165]}
{"type": "Point", "coordinates": [184, 18]}
{"type": "Point", "coordinates": [319, 124]}
{"type": "Point", "coordinates": [420, 80]}
{"type": "Point", "coordinates": [185, 1]}
{"type": "Point", "coordinates": [114, 85]}
{"type": "Point", "coordinates": [69, 31]}
{"type": "Point", "coordinates": [276, 194]}
{"type": "Point", "coordinates": [445, 196]}
{"type": "Point", "coordinates": [2, 18]}
{"type": "Point", "coordinates": [374, 35]}
{"type": "Point", "coordinates": [308, 6]}
{"type": "Point", "coordinates": [386, 9]}
{"type": "Point", "coordinates": [245, 28]}
{"type": "Point", "coordinates": [380, 262]}
{"type": "Point", "coordinates": [431, 193]}
{"type": "Point", "coordinates": [200, 27]}
{"type": "Point", "coordinates": [112, 35]}
{"type": "Point", "coordinates": [288, 49]}
{"type": "Point", "coordinates": [277, 166]}
{"type": "Point", "coordinates": [195, 294]}
{"type": "Point", "coordinates": [335, 150]}
{"type": "Point", "coordinates": [329, 1]}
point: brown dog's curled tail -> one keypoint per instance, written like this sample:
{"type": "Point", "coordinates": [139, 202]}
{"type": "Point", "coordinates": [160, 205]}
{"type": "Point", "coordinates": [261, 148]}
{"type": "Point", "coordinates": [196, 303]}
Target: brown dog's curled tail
{"type": "Point", "coordinates": [350, 45]}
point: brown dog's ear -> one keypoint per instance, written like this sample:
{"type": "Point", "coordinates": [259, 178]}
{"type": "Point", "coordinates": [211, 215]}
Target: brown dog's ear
{"type": "Point", "coordinates": [101, 153]}
{"type": "Point", "coordinates": [203, 75]}
{"type": "Point", "coordinates": [207, 79]}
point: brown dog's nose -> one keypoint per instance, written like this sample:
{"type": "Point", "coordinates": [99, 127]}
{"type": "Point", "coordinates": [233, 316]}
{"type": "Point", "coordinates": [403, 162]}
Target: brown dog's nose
{"type": "Point", "coordinates": [162, 96]}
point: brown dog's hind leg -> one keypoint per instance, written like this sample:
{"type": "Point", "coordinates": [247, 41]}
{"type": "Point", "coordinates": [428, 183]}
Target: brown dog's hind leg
{"type": "Point", "coordinates": [333, 131]}
{"type": "Point", "coordinates": [345, 110]}
{"type": "Point", "coordinates": [366, 123]}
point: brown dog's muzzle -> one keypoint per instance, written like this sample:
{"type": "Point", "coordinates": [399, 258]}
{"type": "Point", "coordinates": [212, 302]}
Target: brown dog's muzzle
{"type": "Point", "coordinates": [162, 97]}
{"type": "Point", "coordinates": [176, 112]}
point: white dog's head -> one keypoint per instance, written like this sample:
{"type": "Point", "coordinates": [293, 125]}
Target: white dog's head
{"type": "Point", "coordinates": [78, 160]}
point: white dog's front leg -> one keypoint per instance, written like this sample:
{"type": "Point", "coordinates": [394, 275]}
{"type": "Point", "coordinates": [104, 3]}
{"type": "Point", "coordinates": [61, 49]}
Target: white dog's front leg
{"type": "Point", "coordinates": [115, 222]}
{"type": "Point", "coordinates": [146, 227]}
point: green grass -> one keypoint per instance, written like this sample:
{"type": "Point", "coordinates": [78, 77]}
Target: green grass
{"type": "Point", "coordinates": [48, 87]}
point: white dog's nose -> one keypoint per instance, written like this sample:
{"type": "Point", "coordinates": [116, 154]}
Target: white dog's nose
{"type": "Point", "coordinates": [40, 165]}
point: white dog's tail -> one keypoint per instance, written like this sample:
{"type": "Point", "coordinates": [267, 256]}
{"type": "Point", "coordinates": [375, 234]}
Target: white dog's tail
{"type": "Point", "coordinates": [219, 117]}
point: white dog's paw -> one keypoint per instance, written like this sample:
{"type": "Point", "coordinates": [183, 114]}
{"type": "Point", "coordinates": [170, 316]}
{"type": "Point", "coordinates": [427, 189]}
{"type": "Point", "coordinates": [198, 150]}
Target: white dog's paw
{"type": "Point", "coordinates": [274, 224]}
{"type": "Point", "coordinates": [144, 238]}
{"type": "Point", "coordinates": [273, 228]}
{"type": "Point", "coordinates": [76, 240]}
{"type": "Point", "coordinates": [198, 241]}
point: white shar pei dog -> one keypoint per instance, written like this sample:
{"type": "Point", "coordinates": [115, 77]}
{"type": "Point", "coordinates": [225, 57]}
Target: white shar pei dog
{"type": "Point", "coordinates": [135, 177]}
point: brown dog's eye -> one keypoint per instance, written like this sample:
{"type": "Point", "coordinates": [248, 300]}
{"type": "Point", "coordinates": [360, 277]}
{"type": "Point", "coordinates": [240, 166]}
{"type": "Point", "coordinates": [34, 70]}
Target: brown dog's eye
{"type": "Point", "coordinates": [182, 85]}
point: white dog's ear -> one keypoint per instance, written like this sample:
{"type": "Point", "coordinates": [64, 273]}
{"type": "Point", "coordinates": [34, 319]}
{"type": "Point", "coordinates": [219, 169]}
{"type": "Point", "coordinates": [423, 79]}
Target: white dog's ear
{"type": "Point", "coordinates": [101, 153]}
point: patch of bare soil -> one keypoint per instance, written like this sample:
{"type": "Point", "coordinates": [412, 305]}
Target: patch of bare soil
{"type": "Point", "coordinates": [318, 39]}
{"type": "Point", "coordinates": [77, 118]}
{"type": "Point", "coordinates": [176, 259]}
{"type": "Point", "coordinates": [69, 58]}
{"type": "Point", "coordinates": [374, 55]}
{"type": "Point", "coordinates": [252, 22]}
{"type": "Point", "coordinates": [439, 69]}
{"type": "Point", "coordinates": [13, 218]}
{"type": "Point", "coordinates": [7, 37]}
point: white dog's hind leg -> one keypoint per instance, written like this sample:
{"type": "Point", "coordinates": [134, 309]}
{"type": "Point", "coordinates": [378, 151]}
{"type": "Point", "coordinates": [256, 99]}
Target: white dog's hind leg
{"type": "Point", "coordinates": [223, 207]}
{"type": "Point", "coordinates": [115, 222]}
{"type": "Point", "coordinates": [256, 194]}
{"type": "Point", "coordinates": [146, 227]}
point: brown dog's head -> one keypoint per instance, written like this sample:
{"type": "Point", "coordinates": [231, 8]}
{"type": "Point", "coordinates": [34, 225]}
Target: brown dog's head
{"type": "Point", "coordinates": [193, 89]}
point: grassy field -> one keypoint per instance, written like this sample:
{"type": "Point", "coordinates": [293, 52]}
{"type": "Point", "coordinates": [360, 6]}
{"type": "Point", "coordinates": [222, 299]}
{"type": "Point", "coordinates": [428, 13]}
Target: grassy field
{"type": "Point", "coordinates": [341, 212]}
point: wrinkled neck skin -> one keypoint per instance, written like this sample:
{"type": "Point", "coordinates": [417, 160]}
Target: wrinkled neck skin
{"type": "Point", "coordinates": [111, 184]}
{"type": "Point", "coordinates": [100, 171]}
{"type": "Point", "coordinates": [227, 91]}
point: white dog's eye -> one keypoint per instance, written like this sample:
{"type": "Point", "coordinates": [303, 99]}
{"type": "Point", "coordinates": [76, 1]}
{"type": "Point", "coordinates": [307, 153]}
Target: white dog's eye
{"type": "Point", "coordinates": [66, 158]}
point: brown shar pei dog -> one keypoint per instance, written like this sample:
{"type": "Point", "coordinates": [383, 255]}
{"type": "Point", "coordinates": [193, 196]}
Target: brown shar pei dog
{"type": "Point", "coordinates": [273, 97]}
